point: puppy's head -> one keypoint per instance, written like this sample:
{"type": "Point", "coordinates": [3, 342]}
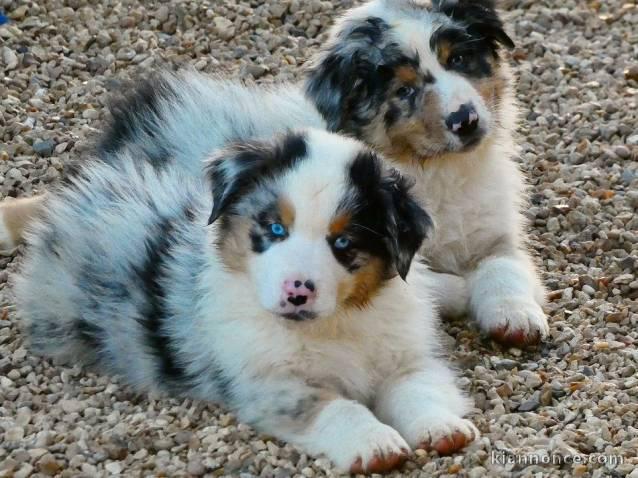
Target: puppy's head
{"type": "Point", "coordinates": [316, 221]}
{"type": "Point", "coordinates": [414, 79]}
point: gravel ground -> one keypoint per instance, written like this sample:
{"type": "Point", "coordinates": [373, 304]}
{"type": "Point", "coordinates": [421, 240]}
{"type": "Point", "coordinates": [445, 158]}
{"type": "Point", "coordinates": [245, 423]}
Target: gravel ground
{"type": "Point", "coordinates": [578, 394]}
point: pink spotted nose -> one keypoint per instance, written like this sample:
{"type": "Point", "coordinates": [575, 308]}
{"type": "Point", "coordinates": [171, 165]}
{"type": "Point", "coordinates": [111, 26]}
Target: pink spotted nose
{"type": "Point", "coordinates": [297, 301]}
{"type": "Point", "coordinates": [299, 293]}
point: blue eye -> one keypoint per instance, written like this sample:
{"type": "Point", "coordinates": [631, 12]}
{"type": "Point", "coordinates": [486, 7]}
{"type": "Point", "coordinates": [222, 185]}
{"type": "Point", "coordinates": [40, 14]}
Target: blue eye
{"type": "Point", "coordinates": [342, 242]}
{"type": "Point", "coordinates": [278, 229]}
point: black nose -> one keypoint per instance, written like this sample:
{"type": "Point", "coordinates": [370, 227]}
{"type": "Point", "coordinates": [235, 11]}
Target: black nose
{"type": "Point", "coordinates": [463, 122]}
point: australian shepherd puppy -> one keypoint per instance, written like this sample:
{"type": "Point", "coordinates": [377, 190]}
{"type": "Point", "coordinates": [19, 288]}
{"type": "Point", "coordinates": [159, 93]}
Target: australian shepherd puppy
{"type": "Point", "coordinates": [422, 82]}
{"type": "Point", "coordinates": [273, 284]}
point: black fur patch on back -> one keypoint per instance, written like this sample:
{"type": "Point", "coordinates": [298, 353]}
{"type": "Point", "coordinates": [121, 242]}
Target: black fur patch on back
{"type": "Point", "coordinates": [386, 222]}
{"type": "Point", "coordinates": [245, 166]}
{"type": "Point", "coordinates": [349, 81]}
{"type": "Point", "coordinates": [91, 335]}
{"type": "Point", "coordinates": [152, 275]}
{"type": "Point", "coordinates": [136, 118]}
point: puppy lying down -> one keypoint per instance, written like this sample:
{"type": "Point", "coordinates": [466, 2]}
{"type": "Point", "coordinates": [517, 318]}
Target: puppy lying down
{"type": "Point", "coordinates": [276, 284]}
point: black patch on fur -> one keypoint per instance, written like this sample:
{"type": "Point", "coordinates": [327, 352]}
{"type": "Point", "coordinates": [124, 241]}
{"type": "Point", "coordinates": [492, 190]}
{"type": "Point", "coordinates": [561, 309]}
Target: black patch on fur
{"type": "Point", "coordinates": [137, 114]}
{"type": "Point", "coordinates": [90, 334]}
{"type": "Point", "coordinates": [475, 52]}
{"type": "Point", "coordinates": [480, 21]}
{"type": "Point", "coordinates": [386, 221]}
{"type": "Point", "coordinates": [248, 165]}
{"type": "Point", "coordinates": [172, 369]}
{"type": "Point", "coordinates": [304, 407]}
{"type": "Point", "coordinates": [392, 115]}
{"type": "Point", "coordinates": [350, 81]}
{"type": "Point", "coordinates": [154, 312]}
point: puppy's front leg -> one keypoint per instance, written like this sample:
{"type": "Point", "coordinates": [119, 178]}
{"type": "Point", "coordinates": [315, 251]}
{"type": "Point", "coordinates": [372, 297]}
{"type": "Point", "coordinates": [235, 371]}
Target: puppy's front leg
{"type": "Point", "coordinates": [322, 422]}
{"type": "Point", "coordinates": [427, 408]}
{"type": "Point", "coordinates": [506, 298]}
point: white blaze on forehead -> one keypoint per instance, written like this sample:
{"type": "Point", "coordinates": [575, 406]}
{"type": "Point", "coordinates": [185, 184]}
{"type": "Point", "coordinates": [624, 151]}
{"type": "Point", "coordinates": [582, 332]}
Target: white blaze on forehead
{"type": "Point", "coordinates": [316, 186]}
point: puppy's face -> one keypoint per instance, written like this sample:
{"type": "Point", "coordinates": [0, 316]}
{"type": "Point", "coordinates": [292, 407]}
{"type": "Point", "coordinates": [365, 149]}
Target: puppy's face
{"type": "Point", "coordinates": [315, 220]}
{"type": "Point", "coordinates": [416, 80]}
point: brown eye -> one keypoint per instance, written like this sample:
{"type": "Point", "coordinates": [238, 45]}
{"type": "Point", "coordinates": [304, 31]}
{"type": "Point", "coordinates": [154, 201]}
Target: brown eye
{"type": "Point", "coordinates": [457, 61]}
{"type": "Point", "coordinates": [405, 92]}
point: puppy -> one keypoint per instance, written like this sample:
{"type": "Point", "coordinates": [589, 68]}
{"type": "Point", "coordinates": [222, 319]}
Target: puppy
{"type": "Point", "coordinates": [272, 284]}
{"type": "Point", "coordinates": [424, 83]}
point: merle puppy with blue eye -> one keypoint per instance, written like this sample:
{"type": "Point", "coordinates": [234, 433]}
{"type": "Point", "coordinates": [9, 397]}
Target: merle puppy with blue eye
{"type": "Point", "coordinates": [268, 286]}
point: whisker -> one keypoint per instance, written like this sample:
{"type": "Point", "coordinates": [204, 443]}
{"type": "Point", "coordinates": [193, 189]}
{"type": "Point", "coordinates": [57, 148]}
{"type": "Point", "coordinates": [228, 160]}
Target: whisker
{"type": "Point", "coordinates": [466, 42]}
{"type": "Point", "coordinates": [368, 229]}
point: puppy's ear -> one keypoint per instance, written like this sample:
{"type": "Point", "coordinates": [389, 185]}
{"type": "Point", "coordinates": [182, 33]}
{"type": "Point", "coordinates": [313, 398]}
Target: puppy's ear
{"type": "Point", "coordinates": [479, 17]}
{"type": "Point", "coordinates": [409, 222]}
{"type": "Point", "coordinates": [241, 167]}
{"type": "Point", "coordinates": [343, 78]}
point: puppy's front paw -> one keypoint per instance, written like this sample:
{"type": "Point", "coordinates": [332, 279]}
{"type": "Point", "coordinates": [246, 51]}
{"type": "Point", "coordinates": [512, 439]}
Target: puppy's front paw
{"type": "Point", "coordinates": [513, 321]}
{"type": "Point", "coordinates": [377, 449]}
{"type": "Point", "coordinates": [447, 434]}
{"type": "Point", "coordinates": [383, 450]}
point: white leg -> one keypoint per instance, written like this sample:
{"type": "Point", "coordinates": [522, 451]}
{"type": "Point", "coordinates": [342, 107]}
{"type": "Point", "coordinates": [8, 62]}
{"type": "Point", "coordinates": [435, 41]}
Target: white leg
{"type": "Point", "coordinates": [449, 293]}
{"type": "Point", "coordinates": [354, 439]}
{"type": "Point", "coordinates": [321, 422]}
{"type": "Point", "coordinates": [427, 408]}
{"type": "Point", "coordinates": [506, 299]}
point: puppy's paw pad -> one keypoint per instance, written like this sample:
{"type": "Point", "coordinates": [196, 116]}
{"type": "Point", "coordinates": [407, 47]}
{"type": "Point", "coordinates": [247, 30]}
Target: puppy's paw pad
{"type": "Point", "coordinates": [380, 464]}
{"type": "Point", "coordinates": [447, 439]}
{"type": "Point", "coordinates": [516, 337]}
{"type": "Point", "coordinates": [449, 444]}
{"type": "Point", "coordinates": [378, 450]}
{"type": "Point", "coordinates": [515, 322]}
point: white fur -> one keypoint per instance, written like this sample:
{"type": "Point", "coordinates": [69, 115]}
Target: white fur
{"type": "Point", "coordinates": [475, 198]}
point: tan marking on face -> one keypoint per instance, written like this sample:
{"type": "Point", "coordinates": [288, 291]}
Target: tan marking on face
{"type": "Point", "coordinates": [286, 212]}
{"type": "Point", "coordinates": [410, 137]}
{"type": "Point", "coordinates": [491, 88]}
{"type": "Point", "coordinates": [234, 244]}
{"type": "Point", "coordinates": [443, 51]}
{"type": "Point", "coordinates": [339, 224]}
{"type": "Point", "coordinates": [359, 289]}
{"type": "Point", "coordinates": [406, 74]}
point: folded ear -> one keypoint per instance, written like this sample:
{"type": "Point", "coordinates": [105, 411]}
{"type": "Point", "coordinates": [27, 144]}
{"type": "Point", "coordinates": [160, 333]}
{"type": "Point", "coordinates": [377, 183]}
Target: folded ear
{"type": "Point", "coordinates": [239, 168]}
{"type": "Point", "coordinates": [345, 73]}
{"type": "Point", "coordinates": [409, 222]}
{"type": "Point", "coordinates": [479, 17]}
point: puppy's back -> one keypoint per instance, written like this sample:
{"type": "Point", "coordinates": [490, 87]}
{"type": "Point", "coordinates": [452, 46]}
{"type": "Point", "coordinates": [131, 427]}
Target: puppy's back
{"type": "Point", "coordinates": [92, 287]}
{"type": "Point", "coordinates": [184, 117]}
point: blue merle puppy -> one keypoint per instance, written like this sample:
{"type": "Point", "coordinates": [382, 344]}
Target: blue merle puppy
{"type": "Point", "coordinates": [274, 284]}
